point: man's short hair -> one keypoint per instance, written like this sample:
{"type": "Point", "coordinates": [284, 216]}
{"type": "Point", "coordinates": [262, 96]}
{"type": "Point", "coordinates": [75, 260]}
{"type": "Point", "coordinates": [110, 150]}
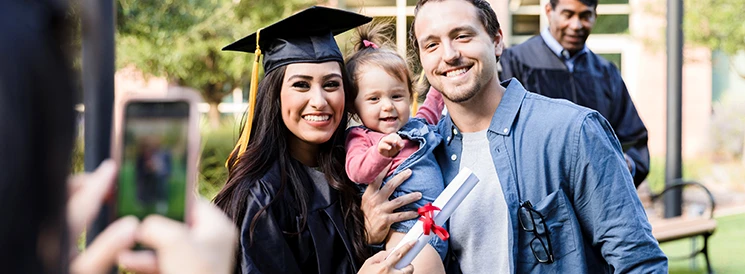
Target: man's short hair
{"type": "Point", "coordinates": [486, 14]}
{"type": "Point", "coordinates": [589, 3]}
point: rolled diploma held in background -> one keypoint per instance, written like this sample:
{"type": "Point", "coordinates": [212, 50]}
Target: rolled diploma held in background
{"type": "Point", "coordinates": [449, 199]}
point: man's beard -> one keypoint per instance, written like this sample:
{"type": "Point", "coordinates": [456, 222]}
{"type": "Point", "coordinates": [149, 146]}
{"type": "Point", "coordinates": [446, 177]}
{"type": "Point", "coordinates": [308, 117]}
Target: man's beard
{"type": "Point", "coordinates": [460, 97]}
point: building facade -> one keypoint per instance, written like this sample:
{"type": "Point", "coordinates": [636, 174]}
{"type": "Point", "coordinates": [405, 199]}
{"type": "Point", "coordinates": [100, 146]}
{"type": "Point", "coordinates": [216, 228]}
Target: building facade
{"type": "Point", "coordinates": [629, 33]}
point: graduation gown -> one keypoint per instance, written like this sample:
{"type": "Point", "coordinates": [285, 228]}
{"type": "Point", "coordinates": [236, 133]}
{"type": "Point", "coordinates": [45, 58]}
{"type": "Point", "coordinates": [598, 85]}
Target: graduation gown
{"type": "Point", "coordinates": [322, 246]}
{"type": "Point", "coordinates": [595, 83]}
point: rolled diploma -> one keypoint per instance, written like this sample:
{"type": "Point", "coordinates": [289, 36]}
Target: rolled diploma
{"type": "Point", "coordinates": [449, 199]}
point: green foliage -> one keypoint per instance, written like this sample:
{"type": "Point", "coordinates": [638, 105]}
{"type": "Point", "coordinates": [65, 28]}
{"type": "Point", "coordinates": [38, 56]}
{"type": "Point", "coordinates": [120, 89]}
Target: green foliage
{"type": "Point", "coordinates": [182, 40]}
{"type": "Point", "coordinates": [694, 169]}
{"type": "Point", "coordinates": [217, 145]}
{"type": "Point", "coordinates": [716, 24]}
{"type": "Point", "coordinates": [78, 156]}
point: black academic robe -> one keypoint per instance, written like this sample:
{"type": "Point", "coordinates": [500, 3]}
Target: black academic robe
{"type": "Point", "coordinates": [322, 246]}
{"type": "Point", "coordinates": [595, 83]}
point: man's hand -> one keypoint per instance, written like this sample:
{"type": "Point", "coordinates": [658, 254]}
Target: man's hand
{"type": "Point", "coordinates": [390, 145]}
{"type": "Point", "coordinates": [378, 209]}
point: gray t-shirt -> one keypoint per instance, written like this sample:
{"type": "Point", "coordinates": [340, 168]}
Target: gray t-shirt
{"type": "Point", "coordinates": [479, 236]}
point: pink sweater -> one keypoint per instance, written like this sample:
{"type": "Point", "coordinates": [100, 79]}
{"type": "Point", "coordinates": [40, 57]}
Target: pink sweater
{"type": "Point", "coordinates": [364, 163]}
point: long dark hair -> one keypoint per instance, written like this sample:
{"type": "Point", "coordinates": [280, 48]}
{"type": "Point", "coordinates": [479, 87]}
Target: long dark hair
{"type": "Point", "coordinates": [269, 144]}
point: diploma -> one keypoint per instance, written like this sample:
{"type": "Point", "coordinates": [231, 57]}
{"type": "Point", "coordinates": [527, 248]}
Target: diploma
{"type": "Point", "coordinates": [449, 199]}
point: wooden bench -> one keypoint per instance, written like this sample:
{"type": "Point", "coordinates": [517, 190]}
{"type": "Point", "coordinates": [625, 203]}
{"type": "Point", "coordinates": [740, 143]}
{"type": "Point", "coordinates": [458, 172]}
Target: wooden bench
{"type": "Point", "coordinates": [686, 226]}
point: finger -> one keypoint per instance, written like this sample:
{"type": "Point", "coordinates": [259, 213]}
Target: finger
{"type": "Point", "coordinates": [157, 231]}
{"type": "Point", "coordinates": [211, 225]}
{"type": "Point", "coordinates": [401, 216]}
{"type": "Point", "coordinates": [75, 182]}
{"type": "Point", "coordinates": [397, 254]}
{"type": "Point", "coordinates": [378, 257]}
{"type": "Point", "coordinates": [385, 146]}
{"type": "Point", "coordinates": [101, 255]}
{"type": "Point", "coordinates": [85, 203]}
{"type": "Point", "coordinates": [409, 269]}
{"type": "Point", "coordinates": [400, 201]}
{"type": "Point", "coordinates": [138, 261]}
{"type": "Point", "coordinates": [371, 190]}
{"type": "Point", "coordinates": [394, 182]}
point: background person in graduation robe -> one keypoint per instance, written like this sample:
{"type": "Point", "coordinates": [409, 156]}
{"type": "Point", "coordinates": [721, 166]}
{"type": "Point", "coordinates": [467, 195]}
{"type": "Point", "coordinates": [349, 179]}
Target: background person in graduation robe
{"type": "Point", "coordinates": [557, 64]}
{"type": "Point", "coordinates": [287, 190]}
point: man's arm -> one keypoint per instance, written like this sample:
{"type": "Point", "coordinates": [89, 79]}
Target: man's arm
{"type": "Point", "coordinates": [629, 128]}
{"type": "Point", "coordinates": [606, 202]}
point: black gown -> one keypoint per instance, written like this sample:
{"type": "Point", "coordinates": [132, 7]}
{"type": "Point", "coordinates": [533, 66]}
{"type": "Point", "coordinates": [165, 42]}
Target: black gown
{"type": "Point", "coordinates": [595, 83]}
{"type": "Point", "coordinates": [321, 246]}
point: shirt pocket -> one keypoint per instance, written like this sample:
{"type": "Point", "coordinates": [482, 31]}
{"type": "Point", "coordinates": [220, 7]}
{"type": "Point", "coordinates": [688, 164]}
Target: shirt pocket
{"type": "Point", "coordinates": [561, 223]}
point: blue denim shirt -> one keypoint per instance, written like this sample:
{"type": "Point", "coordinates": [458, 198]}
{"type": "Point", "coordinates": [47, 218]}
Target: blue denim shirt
{"type": "Point", "coordinates": [425, 178]}
{"type": "Point", "coordinates": [566, 160]}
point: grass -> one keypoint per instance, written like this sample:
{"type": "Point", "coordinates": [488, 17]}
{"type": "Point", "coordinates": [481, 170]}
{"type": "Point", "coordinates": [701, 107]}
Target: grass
{"type": "Point", "coordinates": [726, 249]}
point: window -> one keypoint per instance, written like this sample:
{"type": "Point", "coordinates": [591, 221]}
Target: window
{"type": "Point", "coordinates": [526, 24]}
{"type": "Point", "coordinates": [611, 24]}
{"type": "Point", "coordinates": [527, 18]}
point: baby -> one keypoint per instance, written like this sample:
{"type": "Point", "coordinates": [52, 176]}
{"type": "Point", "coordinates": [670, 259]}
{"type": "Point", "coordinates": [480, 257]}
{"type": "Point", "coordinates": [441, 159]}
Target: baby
{"type": "Point", "coordinates": [389, 141]}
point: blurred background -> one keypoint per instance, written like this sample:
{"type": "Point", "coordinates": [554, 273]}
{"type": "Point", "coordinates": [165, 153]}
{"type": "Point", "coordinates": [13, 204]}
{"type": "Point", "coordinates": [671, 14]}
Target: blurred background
{"type": "Point", "coordinates": [165, 46]}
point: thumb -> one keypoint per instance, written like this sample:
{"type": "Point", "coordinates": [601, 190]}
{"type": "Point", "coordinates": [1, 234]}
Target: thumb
{"type": "Point", "coordinates": [101, 255]}
{"type": "Point", "coordinates": [160, 232]}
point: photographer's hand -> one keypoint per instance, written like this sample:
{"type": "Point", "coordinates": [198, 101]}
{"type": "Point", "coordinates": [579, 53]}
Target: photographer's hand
{"type": "Point", "coordinates": [86, 194]}
{"type": "Point", "coordinates": [207, 246]}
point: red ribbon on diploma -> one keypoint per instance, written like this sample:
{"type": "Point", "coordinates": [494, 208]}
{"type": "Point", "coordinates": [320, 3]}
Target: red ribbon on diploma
{"type": "Point", "coordinates": [427, 212]}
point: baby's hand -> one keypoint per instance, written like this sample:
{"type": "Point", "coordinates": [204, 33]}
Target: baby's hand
{"type": "Point", "coordinates": [390, 145]}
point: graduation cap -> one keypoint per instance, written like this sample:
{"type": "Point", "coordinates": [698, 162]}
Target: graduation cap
{"type": "Point", "coordinates": [305, 37]}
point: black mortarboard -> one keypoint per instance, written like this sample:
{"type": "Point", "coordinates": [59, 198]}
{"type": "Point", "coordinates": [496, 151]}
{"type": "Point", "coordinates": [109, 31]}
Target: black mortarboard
{"type": "Point", "coordinates": [305, 37]}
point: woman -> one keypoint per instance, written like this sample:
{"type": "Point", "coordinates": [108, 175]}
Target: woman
{"type": "Point", "coordinates": [287, 189]}
{"type": "Point", "coordinates": [41, 216]}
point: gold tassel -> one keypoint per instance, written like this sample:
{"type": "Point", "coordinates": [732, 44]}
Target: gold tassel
{"type": "Point", "coordinates": [246, 133]}
{"type": "Point", "coordinates": [415, 103]}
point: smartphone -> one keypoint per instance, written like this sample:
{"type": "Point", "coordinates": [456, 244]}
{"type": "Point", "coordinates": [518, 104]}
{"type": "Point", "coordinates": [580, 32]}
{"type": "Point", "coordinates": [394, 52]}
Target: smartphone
{"type": "Point", "coordinates": [156, 143]}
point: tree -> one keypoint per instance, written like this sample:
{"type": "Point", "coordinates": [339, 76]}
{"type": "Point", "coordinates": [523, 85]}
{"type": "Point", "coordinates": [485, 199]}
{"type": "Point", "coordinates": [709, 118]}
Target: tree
{"type": "Point", "coordinates": [182, 40]}
{"type": "Point", "coordinates": [716, 24]}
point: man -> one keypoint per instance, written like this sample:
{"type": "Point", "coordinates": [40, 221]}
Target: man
{"type": "Point", "coordinates": [557, 64]}
{"type": "Point", "coordinates": [555, 194]}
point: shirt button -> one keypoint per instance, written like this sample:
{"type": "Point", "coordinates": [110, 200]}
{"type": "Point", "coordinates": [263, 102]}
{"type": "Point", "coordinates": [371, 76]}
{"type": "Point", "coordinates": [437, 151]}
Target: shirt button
{"type": "Point", "coordinates": [455, 131]}
{"type": "Point", "coordinates": [505, 130]}
{"type": "Point", "coordinates": [453, 157]}
{"type": "Point", "coordinates": [448, 139]}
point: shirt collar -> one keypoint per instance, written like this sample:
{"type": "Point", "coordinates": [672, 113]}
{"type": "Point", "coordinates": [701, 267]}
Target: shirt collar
{"type": "Point", "coordinates": [504, 117]}
{"type": "Point", "coordinates": [555, 47]}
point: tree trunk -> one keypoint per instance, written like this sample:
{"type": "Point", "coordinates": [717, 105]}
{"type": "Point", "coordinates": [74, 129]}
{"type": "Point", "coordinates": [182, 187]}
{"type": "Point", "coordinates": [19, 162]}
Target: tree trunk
{"type": "Point", "coordinates": [214, 115]}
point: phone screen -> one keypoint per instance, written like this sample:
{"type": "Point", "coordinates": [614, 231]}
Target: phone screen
{"type": "Point", "coordinates": [152, 177]}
